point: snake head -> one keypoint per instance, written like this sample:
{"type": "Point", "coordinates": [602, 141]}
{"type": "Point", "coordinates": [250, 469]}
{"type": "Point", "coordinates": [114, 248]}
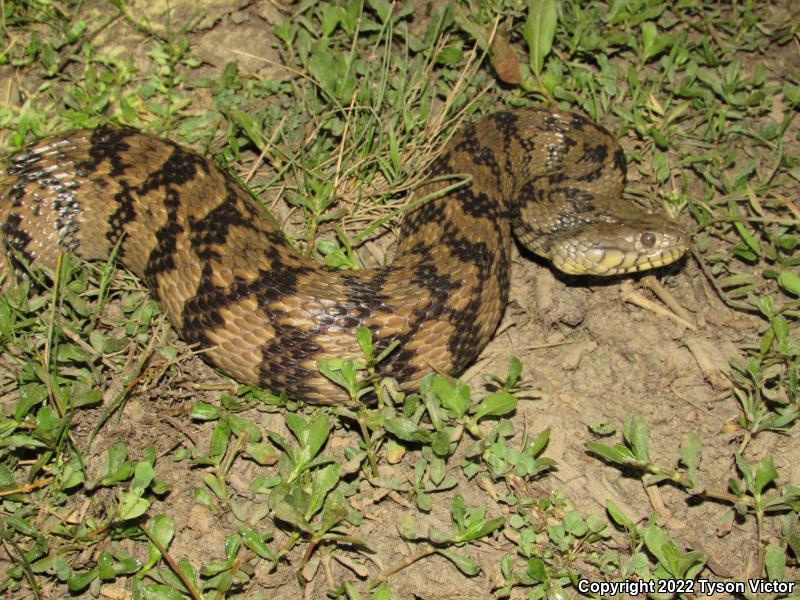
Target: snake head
{"type": "Point", "coordinates": [618, 248]}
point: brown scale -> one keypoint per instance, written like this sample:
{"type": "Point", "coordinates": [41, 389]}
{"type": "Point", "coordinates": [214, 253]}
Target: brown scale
{"type": "Point", "coordinates": [227, 279]}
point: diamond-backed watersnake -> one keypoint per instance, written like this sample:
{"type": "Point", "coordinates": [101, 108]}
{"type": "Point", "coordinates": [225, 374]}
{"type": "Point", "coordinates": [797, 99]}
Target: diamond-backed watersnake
{"type": "Point", "coordinates": [229, 281]}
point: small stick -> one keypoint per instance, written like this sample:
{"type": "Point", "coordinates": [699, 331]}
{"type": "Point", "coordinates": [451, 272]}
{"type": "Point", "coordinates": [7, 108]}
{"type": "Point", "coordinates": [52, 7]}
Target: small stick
{"type": "Point", "coordinates": [628, 294]}
{"type": "Point", "coordinates": [661, 292]}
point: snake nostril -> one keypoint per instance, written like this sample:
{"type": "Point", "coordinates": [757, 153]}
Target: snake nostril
{"type": "Point", "coordinates": [647, 239]}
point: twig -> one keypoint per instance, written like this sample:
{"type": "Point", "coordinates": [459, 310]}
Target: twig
{"type": "Point", "coordinates": [196, 595]}
{"type": "Point", "coordinates": [654, 285]}
{"type": "Point", "coordinates": [407, 562]}
{"type": "Point", "coordinates": [628, 294]}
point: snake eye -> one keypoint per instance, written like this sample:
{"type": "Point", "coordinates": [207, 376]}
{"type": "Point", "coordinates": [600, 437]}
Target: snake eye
{"type": "Point", "coordinates": [647, 239]}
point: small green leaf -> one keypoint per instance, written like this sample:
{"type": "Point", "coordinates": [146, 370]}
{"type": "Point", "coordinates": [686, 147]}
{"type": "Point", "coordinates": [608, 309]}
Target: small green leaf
{"type": "Point", "coordinates": [162, 529]}
{"type": "Point", "coordinates": [285, 31]}
{"type": "Point", "coordinates": [423, 501]}
{"type": "Point", "coordinates": [105, 566]}
{"type": "Point", "coordinates": [188, 571]}
{"type": "Point", "coordinates": [746, 470]}
{"type": "Point", "coordinates": [635, 433]}
{"type": "Point", "coordinates": [596, 524]}
{"type": "Point", "coordinates": [335, 257]}
{"type": "Point", "coordinates": [406, 430]}
{"type": "Point", "coordinates": [690, 456]}
{"type": "Point", "coordinates": [131, 506]}
{"type": "Point", "coordinates": [115, 457]}
{"type": "Point", "coordinates": [143, 476]}
{"type": "Point", "coordinates": [450, 55]}
{"type": "Point", "coordinates": [458, 510]}
{"type": "Point", "coordinates": [765, 474]}
{"type": "Point", "coordinates": [325, 479]}
{"type": "Point", "coordinates": [440, 443]}
{"type": "Point", "coordinates": [539, 32]}
{"type": "Point", "coordinates": [341, 372]}
{"type": "Point", "coordinates": [382, 8]}
{"type": "Point", "coordinates": [232, 545]}
{"type": "Point", "coordinates": [262, 453]}
{"type": "Point", "coordinates": [653, 43]}
{"type": "Point", "coordinates": [481, 528]}
{"type": "Point", "coordinates": [331, 16]}
{"type": "Point", "coordinates": [407, 527]}
{"type": "Point", "coordinates": [364, 338]}
{"type": "Point", "coordinates": [318, 432]}
{"type": "Point", "coordinates": [660, 546]}
{"type": "Point", "coordinates": [463, 563]}
{"type": "Point", "coordinates": [617, 453]}
{"type": "Point", "coordinates": [619, 517]}
{"type": "Point", "coordinates": [791, 534]}
{"type": "Point", "coordinates": [537, 445]}
{"type": "Point", "coordinates": [536, 569]}
{"type": "Point", "coordinates": [202, 496]}
{"type": "Point", "coordinates": [454, 397]}
{"type": "Point", "coordinates": [602, 429]}
{"type": "Point", "coordinates": [575, 524]}
{"type": "Point", "coordinates": [79, 581]}
{"type": "Point", "coordinates": [288, 513]}
{"type": "Point", "coordinates": [775, 562]}
{"type": "Point", "coordinates": [255, 542]}
{"type": "Point", "coordinates": [496, 404]}
{"type": "Point", "coordinates": [790, 281]}
{"type": "Point", "coordinates": [219, 439]}
{"type": "Point", "coordinates": [514, 372]}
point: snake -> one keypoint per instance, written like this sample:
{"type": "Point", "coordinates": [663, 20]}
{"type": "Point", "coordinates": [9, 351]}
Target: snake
{"type": "Point", "coordinates": [262, 312]}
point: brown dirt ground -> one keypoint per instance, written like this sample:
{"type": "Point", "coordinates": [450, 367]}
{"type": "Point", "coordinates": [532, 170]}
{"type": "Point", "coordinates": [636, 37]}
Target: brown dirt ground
{"type": "Point", "coordinates": [589, 354]}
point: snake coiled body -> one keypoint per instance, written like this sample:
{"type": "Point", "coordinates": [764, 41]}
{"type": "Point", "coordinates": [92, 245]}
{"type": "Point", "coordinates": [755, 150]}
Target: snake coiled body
{"type": "Point", "coordinates": [229, 281]}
